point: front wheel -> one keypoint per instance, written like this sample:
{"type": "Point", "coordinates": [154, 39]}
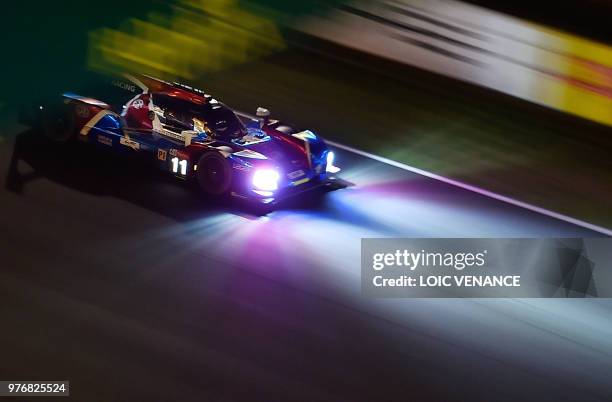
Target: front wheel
{"type": "Point", "coordinates": [214, 174]}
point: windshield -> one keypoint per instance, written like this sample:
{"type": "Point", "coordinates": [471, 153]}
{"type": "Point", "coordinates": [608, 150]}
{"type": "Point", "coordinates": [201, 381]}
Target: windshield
{"type": "Point", "coordinates": [222, 121]}
{"type": "Point", "coordinates": [214, 118]}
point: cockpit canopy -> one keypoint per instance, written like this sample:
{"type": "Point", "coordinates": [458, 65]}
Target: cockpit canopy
{"type": "Point", "coordinates": [213, 118]}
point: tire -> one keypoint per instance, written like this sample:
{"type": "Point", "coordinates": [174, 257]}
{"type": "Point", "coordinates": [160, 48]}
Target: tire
{"type": "Point", "coordinates": [58, 124]}
{"type": "Point", "coordinates": [214, 174]}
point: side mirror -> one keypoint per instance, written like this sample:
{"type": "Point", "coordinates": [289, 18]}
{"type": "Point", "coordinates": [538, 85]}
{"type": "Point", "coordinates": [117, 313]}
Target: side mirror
{"type": "Point", "coordinates": [263, 115]}
{"type": "Point", "coordinates": [187, 136]}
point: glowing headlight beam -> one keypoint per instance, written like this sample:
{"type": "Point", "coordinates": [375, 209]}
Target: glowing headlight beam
{"type": "Point", "coordinates": [330, 168]}
{"type": "Point", "coordinates": [266, 179]}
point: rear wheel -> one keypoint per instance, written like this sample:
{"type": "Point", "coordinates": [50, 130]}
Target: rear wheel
{"type": "Point", "coordinates": [58, 123]}
{"type": "Point", "coordinates": [214, 174]}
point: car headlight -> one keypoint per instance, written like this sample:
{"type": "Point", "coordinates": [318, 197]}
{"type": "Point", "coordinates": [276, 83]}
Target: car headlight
{"type": "Point", "coordinates": [329, 167]}
{"type": "Point", "coordinates": [266, 179]}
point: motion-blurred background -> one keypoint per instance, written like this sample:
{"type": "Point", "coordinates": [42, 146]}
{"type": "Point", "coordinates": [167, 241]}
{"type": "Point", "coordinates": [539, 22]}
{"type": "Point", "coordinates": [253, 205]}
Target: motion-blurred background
{"type": "Point", "coordinates": [515, 97]}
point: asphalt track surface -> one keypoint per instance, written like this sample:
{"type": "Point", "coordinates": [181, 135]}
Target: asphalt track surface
{"type": "Point", "coordinates": [134, 288]}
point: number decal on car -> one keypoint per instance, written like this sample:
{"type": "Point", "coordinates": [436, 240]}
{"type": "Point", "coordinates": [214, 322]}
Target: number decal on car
{"type": "Point", "coordinates": [179, 163]}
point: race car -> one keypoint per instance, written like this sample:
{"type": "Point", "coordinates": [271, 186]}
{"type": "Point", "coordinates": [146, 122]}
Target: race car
{"type": "Point", "coordinates": [195, 137]}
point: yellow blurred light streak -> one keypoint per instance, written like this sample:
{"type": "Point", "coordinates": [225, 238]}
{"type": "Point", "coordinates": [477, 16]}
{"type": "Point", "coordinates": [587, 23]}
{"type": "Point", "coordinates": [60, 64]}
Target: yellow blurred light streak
{"type": "Point", "coordinates": [196, 37]}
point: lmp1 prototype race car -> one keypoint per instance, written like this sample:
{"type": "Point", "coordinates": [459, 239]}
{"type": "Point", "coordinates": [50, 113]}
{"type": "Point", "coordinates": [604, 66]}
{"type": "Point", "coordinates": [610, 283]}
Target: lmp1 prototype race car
{"type": "Point", "coordinates": [194, 137]}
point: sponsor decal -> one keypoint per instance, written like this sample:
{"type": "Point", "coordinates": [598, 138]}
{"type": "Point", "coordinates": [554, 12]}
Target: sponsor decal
{"type": "Point", "coordinates": [82, 111]}
{"type": "Point", "coordinates": [171, 134]}
{"type": "Point", "coordinates": [138, 104]}
{"type": "Point", "coordinates": [172, 152]}
{"type": "Point", "coordinates": [302, 181]}
{"type": "Point", "coordinates": [162, 154]}
{"type": "Point", "coordinates": [102, 139]}
{"type": "Point", "coordinates": [130, 143]}
{"type": "Point", "coordinates": [241, 167]}
{"type": "Point", "coordinates": [124, 85]}
{"type": "Point", "coordinates": [296, 174]}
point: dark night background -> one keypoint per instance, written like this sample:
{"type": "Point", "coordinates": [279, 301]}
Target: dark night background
{"type": "Point", "coordinates": [133, 288]}
{"type": "Point", "coordinates": [44, 44]}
